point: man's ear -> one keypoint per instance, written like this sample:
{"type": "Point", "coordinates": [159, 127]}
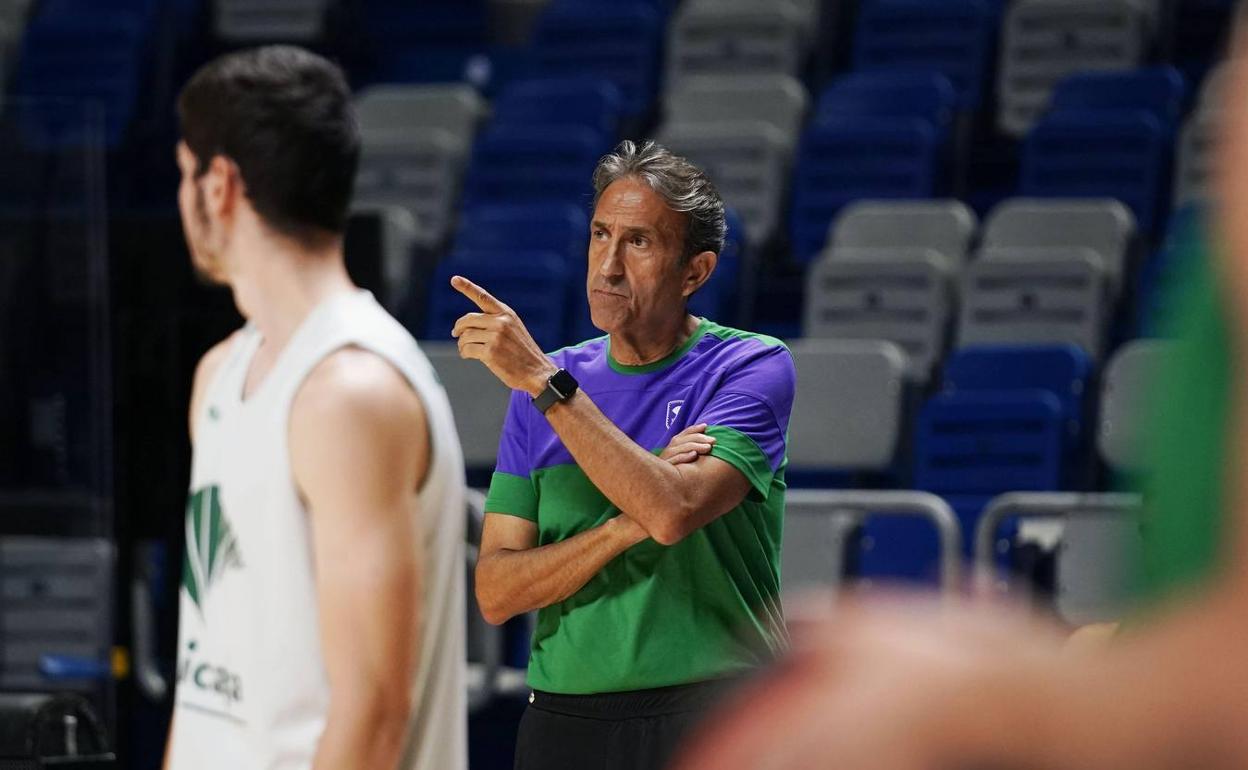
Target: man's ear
{"type": "Point", "coordinates": [698, 270]}
{"type": "Point", "coordinates": [223, 187]}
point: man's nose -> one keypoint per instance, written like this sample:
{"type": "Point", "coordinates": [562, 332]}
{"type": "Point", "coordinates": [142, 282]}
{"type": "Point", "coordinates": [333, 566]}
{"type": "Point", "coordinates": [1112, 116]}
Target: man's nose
{"type": "Point", "coordinates": [611, 264]}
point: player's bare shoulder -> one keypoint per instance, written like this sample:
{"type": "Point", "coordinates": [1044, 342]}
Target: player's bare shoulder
{"type": "Point", "coordinates": [355, 398]}
{"type": "Point", "coordinates": [361, 382]}
{"type": "Point", "coordinates": [209, 364]}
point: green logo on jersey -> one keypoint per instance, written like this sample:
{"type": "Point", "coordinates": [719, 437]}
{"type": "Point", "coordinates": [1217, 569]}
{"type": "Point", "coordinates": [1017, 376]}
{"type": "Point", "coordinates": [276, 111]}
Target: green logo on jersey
{"type": "Point", "coordinates": [211, 545]}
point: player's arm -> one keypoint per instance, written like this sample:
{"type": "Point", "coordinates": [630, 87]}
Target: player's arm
{"type": "Point", "coordinates": [513, 576]}
{"type": "Point", "coordinates": [668, 501]}
{"type": "Point", "coordinates": [359, 450]}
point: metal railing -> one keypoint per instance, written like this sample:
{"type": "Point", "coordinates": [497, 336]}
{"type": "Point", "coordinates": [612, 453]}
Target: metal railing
{"type": "Point", "coordinates": [863, 504]}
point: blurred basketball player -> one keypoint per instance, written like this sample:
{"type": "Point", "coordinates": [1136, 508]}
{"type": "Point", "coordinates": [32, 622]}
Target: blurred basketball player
{"type": "Point", "coordinates": [322, 599]}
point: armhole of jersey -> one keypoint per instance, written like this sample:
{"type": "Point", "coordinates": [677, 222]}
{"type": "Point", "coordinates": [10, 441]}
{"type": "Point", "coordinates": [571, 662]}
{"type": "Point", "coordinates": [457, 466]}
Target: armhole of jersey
{"type": "Point", "coordinates": [228, 363]}
{"type": "Point", "coordinates": [412, 382]}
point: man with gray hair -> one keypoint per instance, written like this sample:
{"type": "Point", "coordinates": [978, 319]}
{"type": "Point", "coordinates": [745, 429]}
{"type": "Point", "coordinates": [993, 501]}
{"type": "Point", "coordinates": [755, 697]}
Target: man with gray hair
{"type": "Point", "coordinates": [638, 500]}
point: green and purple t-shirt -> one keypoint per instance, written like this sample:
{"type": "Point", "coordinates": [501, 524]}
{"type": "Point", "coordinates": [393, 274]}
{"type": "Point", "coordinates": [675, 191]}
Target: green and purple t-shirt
{"type": "Point", "coordinates": [655, 616]}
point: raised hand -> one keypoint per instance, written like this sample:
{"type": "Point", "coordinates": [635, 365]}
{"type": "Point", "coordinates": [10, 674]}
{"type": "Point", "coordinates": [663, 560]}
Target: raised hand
{"type": "Point", "coordinates": [497, 338]}
{"type": "Point", "coordinates": [688, 445]}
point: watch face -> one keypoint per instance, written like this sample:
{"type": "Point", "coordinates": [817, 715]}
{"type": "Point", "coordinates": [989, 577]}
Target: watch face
{"type": "Point", "coordinates": [563, 383]}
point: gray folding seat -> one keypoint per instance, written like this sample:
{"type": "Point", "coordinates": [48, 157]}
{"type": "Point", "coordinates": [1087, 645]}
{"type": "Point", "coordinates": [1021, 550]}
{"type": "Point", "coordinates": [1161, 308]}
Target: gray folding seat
{"type": "Point", "coordinates": [809, 11]}
{"type": "Point", "coordinates": [736, 37]}
{"type": "Point", "coordinates": [478, 401]}
{"type": "Point", "coordinates": [1124, 392]}
{"type": "Point", "coordinates": [847, 410]}
{"type": "Point", "coordinates": [743, 131]}
{"type": "Point", "coordinates": [776, 99]}
{"type": "Point", "coordinates": [889, 274]}
{"type": "Point", "coordinates": [1043, 41]}
{"type": "Point", "coordinates": [945, 226]}
{"type": "Point", "coordinates": [904, 298]}
{"type": "Point", "coordinates": [56, 599]}
{"type": "Point", "coordinates": [388, 235]}
{"type": "Point", "coordinates": [749, 163]}
{"type": "Point", "coordinates": [1104, 226]}
{"type": "Point", "coordinates": [813, 553]}
{"type": "Point", "coordinates": [390, 112]}
{"type": "Point", "coordinates": [416, 142]}
{"type": "Point", "coordinates": [1020, 296]}
{"type": "Point", "coordinates": [263, 21]}
{"type": "Point", "coordinates": [846, 414]}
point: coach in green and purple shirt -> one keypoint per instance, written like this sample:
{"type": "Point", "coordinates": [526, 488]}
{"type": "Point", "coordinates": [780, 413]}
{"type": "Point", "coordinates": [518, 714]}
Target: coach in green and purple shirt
{"type": "Point", "coordinates": [638, 500]}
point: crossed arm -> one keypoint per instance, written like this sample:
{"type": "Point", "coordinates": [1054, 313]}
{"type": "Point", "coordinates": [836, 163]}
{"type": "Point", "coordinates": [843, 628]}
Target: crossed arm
{"type": "Point", "coordinates": [515, 576]}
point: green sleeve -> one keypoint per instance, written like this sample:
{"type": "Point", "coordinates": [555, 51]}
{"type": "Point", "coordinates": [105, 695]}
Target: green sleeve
{"type": "Point", "coordinates": [512, 495]}
{"type": "Point", "coordinates": [741, 452]}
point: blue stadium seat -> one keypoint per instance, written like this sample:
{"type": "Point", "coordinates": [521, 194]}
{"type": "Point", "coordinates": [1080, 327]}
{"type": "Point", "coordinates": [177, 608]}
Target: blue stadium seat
{"type": "Point", "coordinates": [1160, 91]}
{"type": "Point", "coordinates": [988, 442]}
{"type": "Point", "coordinates": [1086, 154]}
{"type": "Point", "coordinates": [526, 281]}
{"type": "Point", "coordinates": [662, 7]}
{"type": "Point", "coordinates": [956, 38]}
{"type": "Point", "coordinates": [425, 41]}
{"type": "Point", "coordinates": [1062, 370]}
{"type": "Point", "coordinates": [1008, 419]}
{"type": "Point", "coordinates": [926, 96]}
{"type": "Point", "coordinates": [1109, 134]}
{"type": "Point", "coordinates": [563, 230]}
{"type": "Point", "coordinates": [83, 53]}
{"type": "Point", "coordinates": [594, 103]}
{"type": "Point", "coordinates": [875, 135]}
{"type": "Point", "coordinates": [533, 165]}
{"type": "Point", "coordinates": [619, 41]}
{"type": "Point", "coordinates": [970, 447]}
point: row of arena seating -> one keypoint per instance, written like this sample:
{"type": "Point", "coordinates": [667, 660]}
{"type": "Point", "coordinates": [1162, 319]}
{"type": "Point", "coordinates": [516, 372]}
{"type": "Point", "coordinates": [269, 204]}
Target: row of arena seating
{"type": "Point", "coordinates": [525, 178]}
{"type": "Point", "coordinates": [1006, 61]}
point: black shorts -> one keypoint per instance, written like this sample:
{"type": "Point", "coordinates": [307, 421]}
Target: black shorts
{"type": "Point", "coordinates": [635, 730]}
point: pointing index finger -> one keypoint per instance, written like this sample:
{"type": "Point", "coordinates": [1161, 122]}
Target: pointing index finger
{"type": "Point", "coordinates": [482, 298]}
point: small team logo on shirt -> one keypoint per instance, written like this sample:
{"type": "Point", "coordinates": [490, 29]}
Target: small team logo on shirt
{"type": "Point", "coordinates": [673, 411]}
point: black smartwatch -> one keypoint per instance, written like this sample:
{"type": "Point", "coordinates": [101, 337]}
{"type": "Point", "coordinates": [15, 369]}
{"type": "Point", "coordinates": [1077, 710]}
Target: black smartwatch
{"type": "Point", "coordinates": [560, 387]}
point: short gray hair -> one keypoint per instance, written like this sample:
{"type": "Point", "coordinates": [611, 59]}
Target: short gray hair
{"type": "Point", "coordinates": [683, 187]}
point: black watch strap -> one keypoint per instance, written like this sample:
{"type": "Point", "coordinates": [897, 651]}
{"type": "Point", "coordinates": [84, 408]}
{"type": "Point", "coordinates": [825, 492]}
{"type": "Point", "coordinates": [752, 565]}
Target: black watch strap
{"type": "Point", "coordinates": [560, 387]}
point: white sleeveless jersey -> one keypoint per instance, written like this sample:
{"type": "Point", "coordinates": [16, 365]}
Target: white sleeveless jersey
{"type": "Point", "coordinates": [252, 692]}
